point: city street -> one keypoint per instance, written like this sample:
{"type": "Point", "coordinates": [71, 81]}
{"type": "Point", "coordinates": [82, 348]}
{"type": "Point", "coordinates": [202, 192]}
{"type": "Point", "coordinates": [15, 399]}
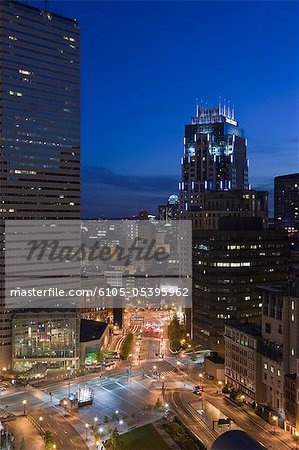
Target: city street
{"type": "Point", "coordinates": [125, 396]}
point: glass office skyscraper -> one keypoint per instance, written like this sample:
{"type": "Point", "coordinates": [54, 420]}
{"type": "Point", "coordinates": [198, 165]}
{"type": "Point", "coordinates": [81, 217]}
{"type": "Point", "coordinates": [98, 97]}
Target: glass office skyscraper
{"type": "Point", "coordinates": [286, 201]}
{"type": "Point", "coordinates": [214, 156]}
{"type": "Point", "coordinates": [39, 123]}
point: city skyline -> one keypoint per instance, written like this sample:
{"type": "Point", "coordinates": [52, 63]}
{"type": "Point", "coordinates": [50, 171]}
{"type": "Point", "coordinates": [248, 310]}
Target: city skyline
{"type": "Point", "coordinates": [139, 89]}
{"type": "Point", "coordinates": [148, 334]}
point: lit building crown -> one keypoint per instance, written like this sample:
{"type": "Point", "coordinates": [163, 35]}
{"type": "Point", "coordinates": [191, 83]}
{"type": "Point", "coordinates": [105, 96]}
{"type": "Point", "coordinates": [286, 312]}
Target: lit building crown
{"type": "Point", "coordinates": [215, 114]}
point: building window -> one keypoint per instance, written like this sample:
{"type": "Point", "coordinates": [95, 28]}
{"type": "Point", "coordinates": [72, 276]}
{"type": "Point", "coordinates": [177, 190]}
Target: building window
{"type": "Point", "coordinates": [268, 328]}
{"type": "Point", "coordinates": [265, 366]}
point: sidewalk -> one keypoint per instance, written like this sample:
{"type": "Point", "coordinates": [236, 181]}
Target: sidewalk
{"type": "Point", "coordinates": [165, 436]}
{"type": "Point", "coordinates": [21, 427]}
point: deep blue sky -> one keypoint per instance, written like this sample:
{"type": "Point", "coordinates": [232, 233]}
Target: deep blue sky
{"type": "Point", "coordinates": [143, 65]}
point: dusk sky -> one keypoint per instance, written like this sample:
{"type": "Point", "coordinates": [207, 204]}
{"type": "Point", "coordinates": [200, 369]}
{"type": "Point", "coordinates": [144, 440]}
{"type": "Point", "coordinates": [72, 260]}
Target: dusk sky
{"type": "Point", "coordinates": [143, 65]}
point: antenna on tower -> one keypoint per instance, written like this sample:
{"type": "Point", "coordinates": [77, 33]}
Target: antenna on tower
{"type": "Point", "coordinates": [233, 112]}
{"type": "Point", "coordinates": [219, 105]}
{"type": "Point", "coordinates": [197, 107]}
{"type": "Point", "coordinates": [224, 107]}
{"type": "Point", "coordinates": [228, 110]}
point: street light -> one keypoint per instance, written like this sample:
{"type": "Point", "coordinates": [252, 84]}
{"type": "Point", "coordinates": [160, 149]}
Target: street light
{"type": "Point", "coordinates": [86, 431]}
{"type": "Point", "coordinates": [274, 418]}
{"type": "Point", "coordinates": [201, 379]}
{"type": "Point", "coordinates": [24, 406]}
{"type": "Point", "coordinates": [54, 446]}
{"type": "Point", "coordinates": [69, 382]}
{"type": "Point", "coordinates": [121, 422]}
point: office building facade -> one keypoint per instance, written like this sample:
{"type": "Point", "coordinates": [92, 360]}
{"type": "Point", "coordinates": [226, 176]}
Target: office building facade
{"type": "Point", "coordinates": [228, 264]}
{"type": "Point", "coordinates": [286, 202]}
{"type": "Point", "coordinates": [40, 124]}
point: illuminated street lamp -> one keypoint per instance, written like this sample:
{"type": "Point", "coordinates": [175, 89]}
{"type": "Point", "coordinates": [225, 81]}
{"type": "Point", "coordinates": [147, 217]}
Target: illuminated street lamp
{"type": "Point", "coordinates": [274, 418]}
{"type": "Point", "coordinates": [201, 380]}
{"type": "Point", "coordinates": [121, 422]}
{"type": "Point", "coordinates": [54, 446]}
{"type": "Point", "coordinates": [24, 406]}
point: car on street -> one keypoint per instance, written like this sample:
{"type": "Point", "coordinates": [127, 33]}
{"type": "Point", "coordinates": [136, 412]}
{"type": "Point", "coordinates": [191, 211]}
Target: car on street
{"type": "Point", "coordinates": [197, 390]}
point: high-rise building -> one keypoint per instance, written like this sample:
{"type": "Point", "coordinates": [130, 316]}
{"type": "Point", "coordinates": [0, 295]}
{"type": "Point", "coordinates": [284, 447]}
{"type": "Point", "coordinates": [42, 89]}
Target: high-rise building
{"type": "Point", "coordinates": [40, 123]}
{"type": "Point", "coordinates": [280, 349]}
{"type": "Point", "coordinates": [286, 201]}
{"type": "Point", "coordinates": [228, 264]}
{"type": "Point", "coordinates": [214, 157]}
{"type": "Point", "coordinates": [171, 210]}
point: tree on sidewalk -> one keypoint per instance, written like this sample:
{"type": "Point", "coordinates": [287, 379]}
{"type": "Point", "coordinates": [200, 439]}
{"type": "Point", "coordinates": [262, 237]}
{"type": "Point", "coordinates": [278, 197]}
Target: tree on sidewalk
{"type": "Point", "coordinates": [49, 440]}
{"type": "Point", "coordinates": [114, 441]}
{"type": "Point", "coordinates": [23, 444]}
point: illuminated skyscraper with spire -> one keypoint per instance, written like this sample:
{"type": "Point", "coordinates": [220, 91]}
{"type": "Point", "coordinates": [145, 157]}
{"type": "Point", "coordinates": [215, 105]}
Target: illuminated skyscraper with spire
{"type": "Point", "coordinates": [214, 157]}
